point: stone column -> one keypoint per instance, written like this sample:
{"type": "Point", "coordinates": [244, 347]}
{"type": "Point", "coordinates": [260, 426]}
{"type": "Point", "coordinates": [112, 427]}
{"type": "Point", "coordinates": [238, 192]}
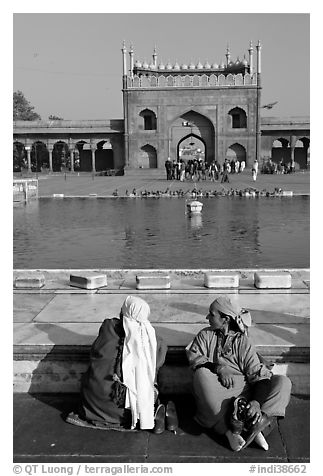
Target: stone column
{"type": "Point", "coordinates": [72, 159]}
{"type": "Point", "coordinates": [50, 152]}
{"type": "Point", "coordinates": [28, 149]}
{"type": "Point", "coordinates": [292, 151]}
{"type": "Point", "coordinates": [93, 149]}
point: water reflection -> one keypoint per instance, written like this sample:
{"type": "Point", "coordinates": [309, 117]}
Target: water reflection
{"type": "Point", "coordinates": [196, 221]}
{"type": "Point", "coordinates": [231, 232]}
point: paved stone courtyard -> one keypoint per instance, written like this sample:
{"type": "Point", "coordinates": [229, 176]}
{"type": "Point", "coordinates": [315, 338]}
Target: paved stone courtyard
{"type": "Point", "coordinates": [85, 184]}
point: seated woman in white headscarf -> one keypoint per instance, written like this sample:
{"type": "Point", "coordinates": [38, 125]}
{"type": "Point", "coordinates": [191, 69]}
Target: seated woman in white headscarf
{"type": "Point", "coordinates": [119, 389]}
{"type": "Point", "coordinates": [235, 391]}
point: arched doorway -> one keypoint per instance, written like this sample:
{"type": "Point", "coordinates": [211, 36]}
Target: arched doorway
{"type": "Point", "coordinates": [236, 152]}
{"type": "Point", "coordinates": [104, 156]}
{"type": "Point", "coordinates": [190, 148]}
{"type": "Point", "coordinates": [192, 125]}
{"type": "Point", "coordinates": [39, 156]}
{"type": "Point", "coordinates": [280, 151]}
{"type": "Point", "coordinates": [19, 156]}
{"type": "Point", "coordinates": [148, 157]}
{"type": "Point", "coordinates": [82, 157]}
{"type": "Point", "coordinates": [301, 153]}
{"type": "Point", "coordinates": [61, 156]}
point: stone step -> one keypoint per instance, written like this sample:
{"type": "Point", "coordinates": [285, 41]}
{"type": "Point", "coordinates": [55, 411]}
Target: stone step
{"type": "Point", "coordinates": [59, 368]}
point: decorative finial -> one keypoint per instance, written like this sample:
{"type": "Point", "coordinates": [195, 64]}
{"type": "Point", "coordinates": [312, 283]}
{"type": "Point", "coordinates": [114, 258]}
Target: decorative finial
{"type": "Point", "coordinates": [250, 46]}
{"type": "Point", "coordinates": [130, 48]}
{"type": "Point", "coordinates": [123, 46]}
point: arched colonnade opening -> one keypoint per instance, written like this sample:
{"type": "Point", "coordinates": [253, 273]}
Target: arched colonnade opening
{"type": "Point", "coordinates": [236, 153]}
{"type": "Point", "coordinates": [62, 155]}
{"type": "Point", "coordinates": [281, 152]}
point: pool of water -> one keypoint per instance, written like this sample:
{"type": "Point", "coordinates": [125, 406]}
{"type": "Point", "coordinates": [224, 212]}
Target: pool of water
{"type": "Point", "coordinates": [231, 232]}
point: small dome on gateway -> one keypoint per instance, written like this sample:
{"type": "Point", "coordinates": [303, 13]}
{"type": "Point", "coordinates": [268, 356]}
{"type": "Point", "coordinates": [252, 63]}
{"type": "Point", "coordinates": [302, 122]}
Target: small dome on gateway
{"type": "Point", "coordinates": [215, 66]}
{"type": "Point", "coordinates": [161, 65]}
{"type": "Point", "coordinates": [238, 61]}
{"type": "Point", "coordinates": [191, 65]}
{"type": "Point", "coordinates": [244, 61]}
{"type": "Point", "coordinates": [152, 65]}
{"type": "Point", "coordinates": [145, 64]}
{"type": "Point", "coordinates": [207, 65]}
{"type": "Point", "coordinates": [184, 66]}
{"type": "Point", "coordinates": [199, 65]}
{"type": "Point", "coordinates": [169, 66]}
{"type": "Point", "coordinates": [176, 65]}
{"type": "Point", "coordinates": [222, 65]}
{"type": "Point", "coordinates": [138, 64]}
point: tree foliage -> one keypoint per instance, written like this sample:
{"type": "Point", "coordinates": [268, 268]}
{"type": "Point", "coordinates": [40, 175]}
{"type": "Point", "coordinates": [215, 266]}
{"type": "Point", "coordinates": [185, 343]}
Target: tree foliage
{"type": "Point", "coordinates": [22, 109]}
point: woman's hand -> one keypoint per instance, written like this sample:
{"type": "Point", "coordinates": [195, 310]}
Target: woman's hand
{"type": "Point", "coordinates": [254, 411]}
{"type": "Point", "coordinates": [225, 377]}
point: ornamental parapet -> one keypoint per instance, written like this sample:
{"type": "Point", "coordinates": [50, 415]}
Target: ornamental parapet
{"type": "Point", "coordinates": [192, 81]}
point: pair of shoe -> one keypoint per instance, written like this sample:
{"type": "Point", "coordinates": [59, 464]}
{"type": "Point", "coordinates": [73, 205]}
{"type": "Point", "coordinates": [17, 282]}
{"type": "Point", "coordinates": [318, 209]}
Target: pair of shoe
{"type": "Point", "coordinates": [166, 416]}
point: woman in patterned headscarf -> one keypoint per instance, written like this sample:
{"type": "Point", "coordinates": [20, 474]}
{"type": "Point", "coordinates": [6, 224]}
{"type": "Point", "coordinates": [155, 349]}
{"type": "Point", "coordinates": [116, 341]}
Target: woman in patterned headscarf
{"type": "Point", "coordinates": [235, 391]}
{"type": "Point", "coordinates": [119, 388]}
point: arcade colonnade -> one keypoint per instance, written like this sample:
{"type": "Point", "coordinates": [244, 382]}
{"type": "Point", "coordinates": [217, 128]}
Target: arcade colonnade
{"type": "Point", "coordinates": [102, 146]}
{"type": "Point", "coordinates": [85, 145]}
{"type": "Point", "coordinates": [71, 151]}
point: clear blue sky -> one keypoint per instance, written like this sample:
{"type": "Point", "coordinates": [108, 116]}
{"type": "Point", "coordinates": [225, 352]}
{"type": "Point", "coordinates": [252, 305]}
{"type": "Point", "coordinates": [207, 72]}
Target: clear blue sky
{"type": "Point", "coordinates": [69, 64]}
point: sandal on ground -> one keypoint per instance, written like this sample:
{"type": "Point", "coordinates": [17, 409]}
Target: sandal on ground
{"type": "Point", "coordinates": [171, 417]}
{"type": "Point", "coordinates": [159, 420]}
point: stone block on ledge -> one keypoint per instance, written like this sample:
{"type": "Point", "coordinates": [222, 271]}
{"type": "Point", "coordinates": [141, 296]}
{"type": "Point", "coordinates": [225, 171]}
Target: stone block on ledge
{"type": "Point", "coordinates": [153, 281]}
{"type": "Point", "coordinates": [32, 280]}
{"type": "Point", "coordinates": [272, 280]}
{"type": "Point", "coordinates": [221, 280]}
{"type": "Point", "coordinates": [88, 280]}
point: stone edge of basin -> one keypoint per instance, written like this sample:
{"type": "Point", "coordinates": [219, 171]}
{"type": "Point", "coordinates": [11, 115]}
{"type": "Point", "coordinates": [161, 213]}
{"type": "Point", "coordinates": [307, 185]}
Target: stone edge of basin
{"type": "Point", "coordinates": [35, 278]}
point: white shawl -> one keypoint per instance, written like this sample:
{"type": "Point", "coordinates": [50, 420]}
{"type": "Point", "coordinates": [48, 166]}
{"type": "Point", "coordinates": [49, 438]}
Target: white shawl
{"type": "Point", "coordinates": [139, 361]}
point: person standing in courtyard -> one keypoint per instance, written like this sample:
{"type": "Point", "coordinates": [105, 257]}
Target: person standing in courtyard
{"type": "Point", "coordinates": [242, 166]}
{"type": "Point", "coordinates": [254, 170]}
{"type": "Point", "coordinates": [235, 391]}
{"type": "Point", "coordinates": [168, 167]}
{"type": "Point", "coordinates": [119, 389]}
{"type": "Point", "coordinates": [225, 173]}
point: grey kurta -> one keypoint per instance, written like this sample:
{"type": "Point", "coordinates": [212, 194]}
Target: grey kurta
{"type": "Point", "coordinates": [235, 352]}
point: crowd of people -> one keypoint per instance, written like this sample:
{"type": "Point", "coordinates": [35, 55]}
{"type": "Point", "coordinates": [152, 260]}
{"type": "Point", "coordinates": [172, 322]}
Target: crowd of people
{"type": "Point", "coordinates": [271, 167]}
{"type": "Point", "coordinates": [236, 393]}
{"type": "Point", "coordinates": [197, 169]}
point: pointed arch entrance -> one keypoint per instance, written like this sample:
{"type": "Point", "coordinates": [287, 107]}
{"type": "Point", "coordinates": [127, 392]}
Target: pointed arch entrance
{"type": "Point", "coordinates": [236, 152]}
{"type": "Point", "coordinates": [148, 157]}
{"type": "Point", "coordinates": [195, 127]}
{"type": "Point", "coordinates": [191, 147]}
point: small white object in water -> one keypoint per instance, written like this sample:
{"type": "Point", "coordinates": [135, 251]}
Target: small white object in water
{"type": "Point", "coordinates": [194, 206]}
